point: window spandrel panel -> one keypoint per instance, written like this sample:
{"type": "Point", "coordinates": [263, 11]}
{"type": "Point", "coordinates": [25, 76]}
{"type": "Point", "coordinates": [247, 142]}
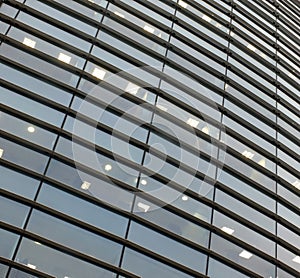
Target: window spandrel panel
{"type": "Point", "coordinates": [71, 236]}
{"type": "Point", "coordinates": [38, 64]}
{"type": "Point", "coordinates": [18, 183]}
{"type": "Point", "coordinates": [35, 85]}
{"type": "Point", "coordinates": [8, 243]}
{"type": "Point", "coordinates": [16, 213]}
{"type": "Point", "coordinates": [57, 264]}
{"type": "Point", "coordinates": [82, 210]}
{"type": "Point", "coordinates": [167, 247]}
{"type": "Point", "coordinates": [146, 267]}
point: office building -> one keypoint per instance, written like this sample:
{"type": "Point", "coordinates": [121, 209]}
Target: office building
{"type": "Point", "coordinates": [150, 138]}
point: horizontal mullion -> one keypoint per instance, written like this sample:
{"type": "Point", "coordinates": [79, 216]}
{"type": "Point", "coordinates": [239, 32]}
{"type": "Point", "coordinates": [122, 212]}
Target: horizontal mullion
{"type": "Point", "coordinates": [22, 267]}
{"type": "Point", "coordinates": [63, 109]}
{"type": "Point", "coordinates": [250, 17]}
{"type": "Point", "coordinates": [66, 250]}
{"type": "Point", "coordinates": [106, 153]}
{"type": "Point", "coordinates": [284, 11]}
{"type": "Point", "coordinates": [132, 245]}
{"type": "Point", "coordinates": [174, 209]}
{"type": "Point", "coordinates": [37, 14]}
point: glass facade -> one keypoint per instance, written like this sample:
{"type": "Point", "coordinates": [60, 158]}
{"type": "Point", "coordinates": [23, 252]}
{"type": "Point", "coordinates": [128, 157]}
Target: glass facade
{"type": "Point", "coordinates": [150, 138]}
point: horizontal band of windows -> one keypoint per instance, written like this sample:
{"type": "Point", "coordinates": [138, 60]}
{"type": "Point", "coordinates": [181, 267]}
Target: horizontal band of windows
{"type": "Point", "coordinates": [142, 221]}
{"type": "Point", "coordinates": [147, 172]}
{"type": "Point", "coordinates": [66, 250]}
{"type": "Point", "coordinates": [173, 119]}
{"type": "Point", "coordinates": [24, 268]}
{"type": "Point", "coordinates": [83, 54]}
{"type": "Point", "coordinates": [168, 136]}
{"type": "Point", "coordinates": [125, 137]}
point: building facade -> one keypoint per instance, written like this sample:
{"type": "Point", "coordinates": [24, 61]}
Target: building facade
{"type": "Point", "coordinates": [150, 138]}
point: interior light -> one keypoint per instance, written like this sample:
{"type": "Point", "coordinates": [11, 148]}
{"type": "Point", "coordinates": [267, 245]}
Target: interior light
{"type": "Point", "coordinates": [205, 130]}
{"type": "Point", "coordinates": [85, 185]}
{"type": "Point", "coordinates": [206, 18]}
{"type": "Point", "coordinates": [262, 162]}
{"type": "Point", "coordinates": [296, 259]}
{"type": "Point", "coordinates": [107, 167]}
{"type": "Point", "coordinates": [149, 29]}
{"type": "Point", "coordinates": [132, 88]}
{"type": "Point", "coordinates": [182, 4]}
{"type": "Point", "coordinates": [1, 152]}
{"type": "Point", "coordinates": [227, 230]}
{"type": "Point", "coordinates": [143, 206]}
{"type": "Point", "coordinates": [184, 198]}
{"type": "Point", "coordinates": [99, 73]}
{"type": "Point", "coordinates": [31, 129]}
{"type": "Point", "coordinates": [296, 184]}
{"type": "Point", "coordinates": [226, 86]}
{"type": "Point", "coordinates": [92, 1]}
{"type": "Point", "coordinates": [263, 55]}
{"type": "Point", "coordinates": [31, 266]}
{"type": "Point", "coordinates": [192, 122]}
{"type": "Point", "coordinates": [37, 243]}
{"type": "Point", "coordinates": [119, 14]}
{"type": "Point", "coordinates": [232, 34]}
{"type": "Point", "coordinates": [64, 58]}
{"type": "Point", "coordinates": [143, 182]}
{"type": "Point", "coordinates": [248, 154]}
{"type": "Point", "coordinates": [251, 47]}
{"type": "Point", "coordinates": [245, 254]}
{"type": "Point", "coordinates": [29, 42]}
{"type": "Point", "coordinates": [218, 25]}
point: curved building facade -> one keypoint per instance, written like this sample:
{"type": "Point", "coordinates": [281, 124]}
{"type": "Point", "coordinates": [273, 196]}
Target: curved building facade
{"type": "Point", "coordinates": [150, 138]}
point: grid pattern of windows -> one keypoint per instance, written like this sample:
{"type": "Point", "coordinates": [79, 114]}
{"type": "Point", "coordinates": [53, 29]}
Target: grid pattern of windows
{"type": "Point", "coordinates": [151, 138]}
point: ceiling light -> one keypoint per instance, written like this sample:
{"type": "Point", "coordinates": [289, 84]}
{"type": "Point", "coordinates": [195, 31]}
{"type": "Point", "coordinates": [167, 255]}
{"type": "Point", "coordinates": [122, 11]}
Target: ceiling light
{"type": "Point", "coordinates": [251, 47]}
{"type": "Point", "coordinates": [119, 14]}
{"type": "Point", "coordinates": [262, 162]}
{"type": "Point", "coordinates": [85, 185]}
{"type": "Point", "coordinates": [182, 4]}
{"type": "Point", "coordinates": [31, 129]}
{"type": "Point", "coordinates": [184, 198]}
{"type": "Point", "coordinates": [143, 182]}
{"type": "Point", "coordinates": [296, 259]}
{"type": "Point", "coordinates": [227, 230]}
{"type": "Point", "coordinates": [98, 73]}
{"type": "Point", "coordinates": [192, 122]}
{"type": "Point", "coordinates": [232, 34]}
{"type": "Point", "coordinates": [296, 184]}
{"type": "Point", "coordinates": [37, 243]}
{"type": "Point", "coordinates": [205, 130]}
{"type": "Point", "coordinates": [263, 55]}
{"type": "Point", "coordinates": [31, 266]}
{"type": "Point", "coordinates": [1, 152]}
{"type": "Point", "coordinates": [248, 154]}
{"type": "Point", "coordinates": [64, 58]}
{"type": "Point", "coordinates": [29, 42]}
{"type": "Point", "coordinates": [143, 206]}
{"type": "Point", "coordinates": [206, 18]}
{"type": "Point", "coordinates": [245, 254]}
{"type": "Point", "coordinates": [149, 29]}
{"type": "Point", "coordinates": [107, 167]}
{"type": "Point", "coordinates": [132, 88]}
